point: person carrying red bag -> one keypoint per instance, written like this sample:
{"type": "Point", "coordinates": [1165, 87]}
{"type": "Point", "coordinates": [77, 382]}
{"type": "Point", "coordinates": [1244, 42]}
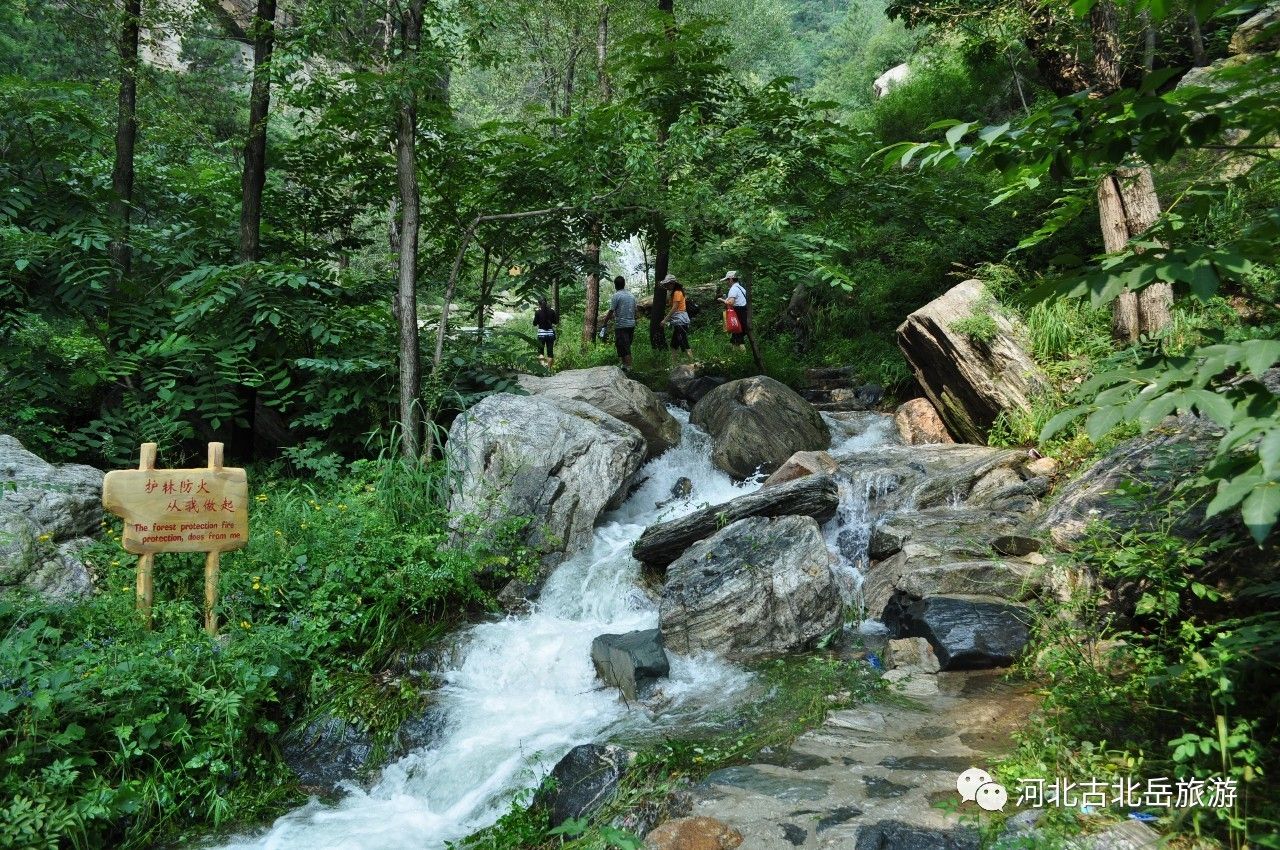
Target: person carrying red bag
{"type": "Point", "coordinates": [736, 310]}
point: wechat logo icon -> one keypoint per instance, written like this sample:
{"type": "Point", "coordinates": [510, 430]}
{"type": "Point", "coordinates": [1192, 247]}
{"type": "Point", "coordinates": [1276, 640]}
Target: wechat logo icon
{"type": "Point", "coordinates": [976, 785]}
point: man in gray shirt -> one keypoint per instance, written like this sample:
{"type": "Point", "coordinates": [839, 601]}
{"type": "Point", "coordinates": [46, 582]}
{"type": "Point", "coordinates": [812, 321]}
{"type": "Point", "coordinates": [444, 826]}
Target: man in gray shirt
{"type": "Point", "coordinates": [622, 310]}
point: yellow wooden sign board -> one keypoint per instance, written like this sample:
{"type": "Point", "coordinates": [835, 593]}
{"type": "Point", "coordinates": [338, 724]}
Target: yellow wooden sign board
{"type": "Point", "coordinates": [180, 510]}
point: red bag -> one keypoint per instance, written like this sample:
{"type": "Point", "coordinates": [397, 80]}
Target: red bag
{"type": "Point", "coordinates": [731, 322]}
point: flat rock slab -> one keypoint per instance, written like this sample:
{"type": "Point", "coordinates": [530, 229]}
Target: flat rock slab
{"type": "Point", "coordinates": [780, 787]}
{"type": "Point", "coordinates": [815, 496]}
{"type": "Point", "coordinates": [630, 661]}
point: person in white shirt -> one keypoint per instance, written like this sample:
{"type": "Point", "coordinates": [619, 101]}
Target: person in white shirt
{"type": "Point", "coordinates": [736, 301]}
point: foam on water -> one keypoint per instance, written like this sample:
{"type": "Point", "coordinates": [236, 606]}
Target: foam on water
{"type": "Point", "coordinates": [524, 691]}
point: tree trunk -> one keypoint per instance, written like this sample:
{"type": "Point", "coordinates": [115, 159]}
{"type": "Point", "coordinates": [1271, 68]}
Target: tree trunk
{"type": "Point", "coordinates": [254, 176]}
{"type": "Point", "coordinates": [751, 324]}
{"type": "Point", "coordinates": [1127, 207]}
{"type": "Point", "coordinates": [602, 47]}
{"type": "Point", "coordinates": [555, 295]}
{"type": "Point", "coordinates": [483, 304]}
{"type": "Point", "coordinates": [658, 309]}
{"type": "Point", "coordinates": [1107, 71]}
{"type": "Point", "coordinates": [121, 208]}
{"type": "Point", "coordinates": [1148, 43]}
{"type": "Point", "coordinates": [407, 291]}
{"type": "Point", "coordinates": [1197, 41]}
{"type": "Point", "coordinates": [592, 317]}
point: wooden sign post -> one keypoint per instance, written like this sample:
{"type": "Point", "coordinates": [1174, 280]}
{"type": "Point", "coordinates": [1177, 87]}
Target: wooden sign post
{"type": "Point", "coordinates": [180, 510]}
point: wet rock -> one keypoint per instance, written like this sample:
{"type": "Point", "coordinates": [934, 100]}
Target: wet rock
{"type": "Point", "coordinates": [559, 461]}
{"type": "Point", "coordinates": [895, 835]}
{"type": "Point", "coordinates": [583, 781]}
{"type": "Point", "coordinates": [327, 752]}
{"type": "Point", "coordinates": [879, 788]}
{"type": "Point", "coordinates": [609, 389]}
{"type": "Point", "coordinates": [48, 513]}
{"type": "Point", "coordinates": [1129, 835]}
{"type": "Point", "coordinates": [799, 465]}
{"type": "Point", "coordinates": [757, 423]}
{"type": "Point", "coordinates": [758, 588]}
{"type": "Point", "coordinates": [919, 571]}
{"type": "Point", "coordinates": [1121, 487]}
{"type": "Point", "coordinates": [816, 496]}
{"type": "Point", "coordinates": [970, 381]}
{"type": "Point", "coordinates": [837, 816]}
{"type": "Point", "coordinates": [918, 423]}
{"type": "Point", "coordinates": [1015, 545]}
{"type": "Point", "coordinates": [689, 382]}
{"type": "Point", "coordinates": [682, 489]}
{"type": "Point", "coordinates": [788, 788]}
{"type": "Point", "coordinates": [796, 835]}
{"type": "Point", "coordinates": [699, 833]}
{"type": "Point", "coordinates": [966, 632]}
{"type": "Point", "coordinates": [630, 662]}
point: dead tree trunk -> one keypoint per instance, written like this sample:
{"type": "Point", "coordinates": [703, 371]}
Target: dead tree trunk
{"type": "Point", "coordinates": [254, 176]}
{"type": "Point", "coordinates": [1127, 207]}
{"type": "Point", "coordinates": [407, 290]}
{"type": "Point", "coordinates": [121, 207]}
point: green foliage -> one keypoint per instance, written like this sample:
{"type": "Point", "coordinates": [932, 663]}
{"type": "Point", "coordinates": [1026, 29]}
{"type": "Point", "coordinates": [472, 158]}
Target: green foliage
{"type": "Point", "coordinates": [1153, 669]}
{"type": "Point", "coordinates": [116, 735]}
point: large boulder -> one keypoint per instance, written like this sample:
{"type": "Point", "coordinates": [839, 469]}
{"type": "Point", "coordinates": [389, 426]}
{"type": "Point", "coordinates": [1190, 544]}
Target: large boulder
{"type": "Point", "coordinates": [757, 423]}
{"type": "Point", "coordinates": [1121, 487]}
{"type": "Point", "coordinates": [815, 496]}
{"type": "Point", "coordinates": [48, 513]}
{"type": "Point", "coordinates": [696, 833]}
{"type": "Point", "coordinates": [583, 781]}
{"type": "Point", "coordinates": [630, 662]}
{"type": "Point", "coordinates": [758, 588]}
{"type": "Point", "coordinates": [609, 389]}
{"type": "Point", "coordinates": [327, 752]}
{"type": "Point", "coordinates": [558, 461]}
{"type": "Point", "coordinates": [918, 423]}
{"type": "Point", "coordinates": [966, 632]}
{"type": "Point", "coordinates": [970, 377]}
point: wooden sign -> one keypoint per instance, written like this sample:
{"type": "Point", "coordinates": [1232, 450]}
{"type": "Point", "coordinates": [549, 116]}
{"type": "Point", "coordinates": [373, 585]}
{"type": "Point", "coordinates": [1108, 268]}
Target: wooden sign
{"type": "Point", "coordinates": [180, 510]}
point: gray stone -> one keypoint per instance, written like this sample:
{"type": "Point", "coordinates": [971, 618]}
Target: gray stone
{"type": "Point", "coordinates": [970, 381]}
{"type": "Point", "coordinates": [609, 389]}
{"type": "Point", "coordinates": [689, 382]}
{"type": "Point", "coordinates": [583, 781]}
{"type": "Point", "coordinates": [965, 631]}
{"type": "Point", "coordinates": [327, 751]}
{"type": "Point", "coordinates": [895, 835]}
{"type": "Point", "coordinates": [758, 588]}
{"type": "Point", "coordinates": [757, 423]}
{"type": "Point", "coordinates": [815, 495]}
{"type": "Point", "coordinates": [48, 512]}
{"type": "Point", "coordinates": [558, 461]}
{"type": "Point", "coordinates": [1015, 545]}
{"type": "Point", "coordinates": [1129, 835]}
{"type": "Point", "coordinates": [790, 789]}
{"type": "Point", "coordinates": [630, 661]}
{"type": "Point", "coordinates": [799, 465]}
{"type": "Point", "coordinates": [913, 654]}
{"type": "Point", "coordinates": [920, 570]}
{"type": "Point", "coordinates": [1121, 487]}
{"type": "Point", "coordinates": [879, 788]}
{"type": "Point", "coordinates": [918, 423]}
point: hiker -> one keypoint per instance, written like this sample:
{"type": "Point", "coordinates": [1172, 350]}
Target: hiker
{"type": "Point", "coordinates": [678, 318]}
{"type": "Point", "coordinates": [545, 320]}
{"type": "Point", "coordinates": [622, 312]}
{"type": "Point", "coordinates": [736, 301]}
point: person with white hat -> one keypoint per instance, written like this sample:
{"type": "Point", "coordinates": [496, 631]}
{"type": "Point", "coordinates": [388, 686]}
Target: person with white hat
{"type": "Point", "coordinates": [736, 301]}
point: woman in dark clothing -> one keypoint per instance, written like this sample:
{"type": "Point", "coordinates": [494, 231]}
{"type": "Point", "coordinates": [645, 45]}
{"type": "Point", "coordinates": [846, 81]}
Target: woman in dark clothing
{"type": "Point", "coordinates": [544, 321]}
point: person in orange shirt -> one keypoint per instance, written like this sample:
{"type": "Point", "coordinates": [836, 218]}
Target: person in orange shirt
{"type": "Point", "coordinates": [677, 318]}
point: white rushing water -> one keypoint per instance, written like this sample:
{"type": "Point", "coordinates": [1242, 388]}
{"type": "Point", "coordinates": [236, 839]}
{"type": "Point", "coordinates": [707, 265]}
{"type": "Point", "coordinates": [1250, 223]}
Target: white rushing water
{"type": "Point", "coordinates": [524, 692]}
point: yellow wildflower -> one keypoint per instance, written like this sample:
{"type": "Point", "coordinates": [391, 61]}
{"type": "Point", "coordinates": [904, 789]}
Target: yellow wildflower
{"type": "Point", "coordinates": [261, 497]}
{"type": "Point", "coordinates": [245, 624]}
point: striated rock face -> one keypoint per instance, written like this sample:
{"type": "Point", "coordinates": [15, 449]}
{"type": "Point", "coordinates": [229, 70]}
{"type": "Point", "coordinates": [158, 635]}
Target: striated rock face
{"type": "Point", "coordinates": [757, 424]}
{"type": "Point", "coordinates": [1120, 487]}
{"type": "Point", "coordinates": [814, 496]}
{"type": "Point", "coordinates": [690, 382]}
{"type": "Point", "coordinates": [47, 514]}
{"type": "Point", "coordinates": [757, 588]}
{"type": "Point", "coordinates": [969, 381]}
{"type": "Point", "coordinates": [699, 833]}
{"type": "Point", "coordinates": [558, 461]}
{"type": "Point", "coordinates": [609, 389]}
{"type": "Point", "coordinates": [583, 781]}
{"type": "Point", "coordinates": [630, 662]}
{"type": "Point", "coordinates": [918, 423]}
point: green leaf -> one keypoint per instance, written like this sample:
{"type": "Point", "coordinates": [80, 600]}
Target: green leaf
{"type": "Point", "coordinates": [1269, 453]}
{"type": "Point", "coordinates": [1058, 422]}
{"type": "Point", "coordinates": [956, 133]}
{"type": "Point", "coordinates": [1231, 491]}
{"type": "Point", "coordinates": [21, 263]}
{"type": "Point", "coordinates": [1261, 508]}
{"type": "Point", "coordinates": [1209, 403]}
{"type": "Point", "coordinates": [1103, 420]}
{"type": "Point", "coordinates": [1260, 354]}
